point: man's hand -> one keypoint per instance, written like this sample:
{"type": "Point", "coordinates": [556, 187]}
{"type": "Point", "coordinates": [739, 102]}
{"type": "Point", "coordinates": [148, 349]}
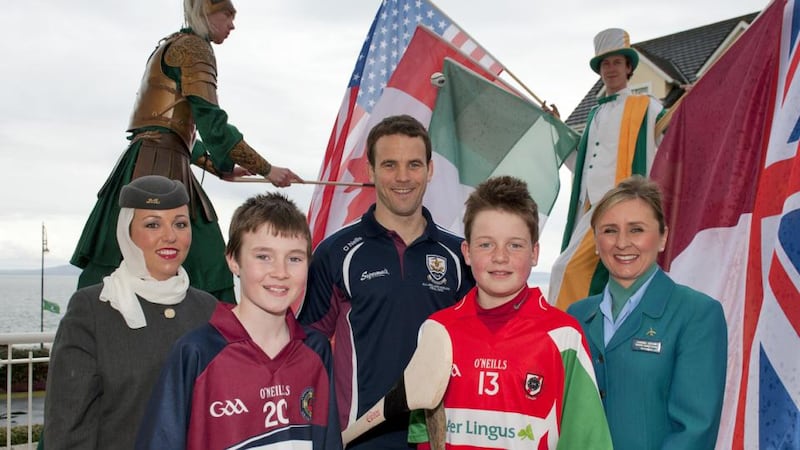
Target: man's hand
{"type": "Point", "coordinates": [282, 177]}
{"type": "Point", "coordinates": [551, 109]}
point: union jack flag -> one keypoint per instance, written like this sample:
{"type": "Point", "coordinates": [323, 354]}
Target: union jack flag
{"type": "Point", "coordinates": [384, 46]}
{"type": "Point", "coordinates": [729, 167]}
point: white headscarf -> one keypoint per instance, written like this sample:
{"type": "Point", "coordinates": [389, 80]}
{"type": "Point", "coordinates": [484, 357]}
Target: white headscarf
{"type": "Point", "coordinates": [132, 278]}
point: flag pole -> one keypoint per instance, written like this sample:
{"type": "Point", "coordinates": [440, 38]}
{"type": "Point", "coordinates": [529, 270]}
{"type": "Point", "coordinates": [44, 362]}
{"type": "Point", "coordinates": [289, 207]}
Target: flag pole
{"type": "Point", "coordinates": [316, 182]}
{"type": "Point", "coordinates": [511, 74]}
{"type": "Point", "coordinates": [41, 278]}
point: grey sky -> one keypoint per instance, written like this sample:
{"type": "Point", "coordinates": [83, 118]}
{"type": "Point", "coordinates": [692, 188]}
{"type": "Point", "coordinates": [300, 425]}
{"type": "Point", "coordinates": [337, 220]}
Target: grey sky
{"type": "Point", "coordinates": [72, 70]}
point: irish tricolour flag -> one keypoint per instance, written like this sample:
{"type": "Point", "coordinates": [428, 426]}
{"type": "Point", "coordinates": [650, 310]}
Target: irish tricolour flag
{"type": "Point", "coordinates": [480, 129]}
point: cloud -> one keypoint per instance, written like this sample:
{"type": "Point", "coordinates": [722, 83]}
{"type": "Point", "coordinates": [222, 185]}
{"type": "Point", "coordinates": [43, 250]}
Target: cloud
{"type": "Point", "coordinates": [75, 67]}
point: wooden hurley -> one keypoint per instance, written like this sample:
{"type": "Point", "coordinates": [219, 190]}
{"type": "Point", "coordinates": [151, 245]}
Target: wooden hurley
{"type": "Point", "coordinates": [320, 182]}
{"type": "Point", "coordinates": [422, 385]}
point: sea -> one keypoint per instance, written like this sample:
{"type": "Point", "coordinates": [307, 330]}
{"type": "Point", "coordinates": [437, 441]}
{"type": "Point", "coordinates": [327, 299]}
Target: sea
{"type": "Point", "coordinates": [21, 300]}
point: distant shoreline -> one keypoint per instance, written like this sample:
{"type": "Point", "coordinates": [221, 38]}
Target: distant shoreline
{"type": "Point", "coordinates": [65, 269]}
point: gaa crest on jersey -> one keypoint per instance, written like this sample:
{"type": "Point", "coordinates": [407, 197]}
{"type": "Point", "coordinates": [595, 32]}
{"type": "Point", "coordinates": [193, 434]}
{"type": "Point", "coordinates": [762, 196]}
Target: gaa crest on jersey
{"type": "Point", "coordinates": [437, 268]}
{"type": "Point", "coordinates": [533, 384]}
{"type": "Point", "coordinates": [307, 403]}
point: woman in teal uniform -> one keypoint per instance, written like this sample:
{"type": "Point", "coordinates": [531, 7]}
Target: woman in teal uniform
{"type": "Point", "coordinates": [659, 349]}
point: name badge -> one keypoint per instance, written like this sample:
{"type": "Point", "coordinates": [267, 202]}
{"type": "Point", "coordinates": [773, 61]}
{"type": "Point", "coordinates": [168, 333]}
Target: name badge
{"type": "Point", "coordinates": [640, 345]}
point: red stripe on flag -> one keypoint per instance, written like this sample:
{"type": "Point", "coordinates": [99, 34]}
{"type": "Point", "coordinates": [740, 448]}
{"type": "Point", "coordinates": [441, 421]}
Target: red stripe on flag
{"type": "Point", "coordinates": [478, 54]}
{"type": "Point", "coordinates": [459, 39]}
{"type": "Point", "coordinates": [769, 202]}
{"type": "Point", "coordinates": [792, 69]}
{"type": "Point", "coordinates": [333, 161]}
{"type": "Point", "coordinates": [785, 292]}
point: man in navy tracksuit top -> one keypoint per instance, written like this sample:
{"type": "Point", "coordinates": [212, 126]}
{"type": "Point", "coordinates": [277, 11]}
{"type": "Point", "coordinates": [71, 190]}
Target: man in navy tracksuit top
{"type": "Point", "coordinates": [373, 283]}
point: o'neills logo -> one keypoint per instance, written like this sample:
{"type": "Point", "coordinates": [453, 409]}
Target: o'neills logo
{"type": "Point", "coordinates": [370, 275]}
{"type": "Point", "coordinates": [227, 408]}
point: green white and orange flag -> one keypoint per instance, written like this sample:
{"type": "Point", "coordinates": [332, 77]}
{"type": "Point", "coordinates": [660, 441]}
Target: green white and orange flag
{"type": "Point", "coordinates": [478, 130]}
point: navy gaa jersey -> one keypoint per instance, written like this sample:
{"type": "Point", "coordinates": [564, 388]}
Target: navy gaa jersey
{"type": "Point", "coordinates": [219, 390]}
{"type": "Point", "coordinates": [371, 292]}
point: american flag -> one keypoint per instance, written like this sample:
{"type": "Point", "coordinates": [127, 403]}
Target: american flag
{"type": "Point", "coordinates": [730, 170]}
{"type": "Point", "coordinates": [384, 46]}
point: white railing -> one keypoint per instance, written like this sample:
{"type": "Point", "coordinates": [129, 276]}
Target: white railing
{"type": "Point", "coordinates": [20, 340]}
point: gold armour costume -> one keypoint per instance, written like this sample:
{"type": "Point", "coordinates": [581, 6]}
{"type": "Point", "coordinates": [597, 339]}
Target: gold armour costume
{"type": "Point", "coordinates": [176, 102]}
{"type": "Point", "coordinates": [159, 103]}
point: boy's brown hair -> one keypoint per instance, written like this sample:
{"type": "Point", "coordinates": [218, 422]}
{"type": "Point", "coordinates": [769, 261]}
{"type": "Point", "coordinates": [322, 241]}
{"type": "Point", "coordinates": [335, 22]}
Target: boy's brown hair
{"type": "Point", "coordinates": [282, 215]}
{"type": "Point", "coordinates": [503, 193]}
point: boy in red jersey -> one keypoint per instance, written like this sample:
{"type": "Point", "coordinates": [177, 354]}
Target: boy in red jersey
{"type": "Point", "coordinates": [253, 376]}
{"type": "Point", "coordinates": [522, 376]}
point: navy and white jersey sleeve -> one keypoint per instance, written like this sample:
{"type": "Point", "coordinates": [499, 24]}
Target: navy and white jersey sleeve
{"type": "Point", "coordinates": [331, 438]}
{"type": "Point", "coordinates": [320, 308]}
{"type": "Point", "coordinates": [166, 419]}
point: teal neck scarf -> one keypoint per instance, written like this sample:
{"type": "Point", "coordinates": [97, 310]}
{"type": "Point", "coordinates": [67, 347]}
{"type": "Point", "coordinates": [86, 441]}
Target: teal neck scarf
{"type": "Point", "coordinates": [620, 295]}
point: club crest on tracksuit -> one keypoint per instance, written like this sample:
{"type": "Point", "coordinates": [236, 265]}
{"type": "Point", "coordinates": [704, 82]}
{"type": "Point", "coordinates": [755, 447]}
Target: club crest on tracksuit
{"type": "Point", "coordinates": [437, 268]}
{"type": "Point", "coordinates": [307, 403]}
{"type": "Point", "coordinates": [533, 384]}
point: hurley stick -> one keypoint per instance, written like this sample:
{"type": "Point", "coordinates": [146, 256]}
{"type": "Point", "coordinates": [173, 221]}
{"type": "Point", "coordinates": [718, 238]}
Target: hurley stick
{"type": "Point", "coordinates": [422, 385]}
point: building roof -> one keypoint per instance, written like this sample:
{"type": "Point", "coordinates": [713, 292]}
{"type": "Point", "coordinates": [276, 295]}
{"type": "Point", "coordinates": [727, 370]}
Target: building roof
{"type": "Point", "coordinates": [679, 55]}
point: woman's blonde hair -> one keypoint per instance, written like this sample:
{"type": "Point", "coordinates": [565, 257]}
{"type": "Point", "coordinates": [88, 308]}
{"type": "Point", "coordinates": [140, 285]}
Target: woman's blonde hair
{"type": "Point", "coordinates": [632, 188]}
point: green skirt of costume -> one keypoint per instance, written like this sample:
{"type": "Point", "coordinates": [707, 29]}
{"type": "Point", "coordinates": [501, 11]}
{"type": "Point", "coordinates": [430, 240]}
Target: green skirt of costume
{"type": "Point", "coordinates": [157, 153]}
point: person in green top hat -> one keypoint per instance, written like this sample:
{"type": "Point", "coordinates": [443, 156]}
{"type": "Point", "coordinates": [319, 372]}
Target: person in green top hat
{"type": "Point", "coordinates": [619, 140]}
{"type": "Point", "coordinates": [659, 349]}
{"type": "Point", "coordinates": [176, 101]}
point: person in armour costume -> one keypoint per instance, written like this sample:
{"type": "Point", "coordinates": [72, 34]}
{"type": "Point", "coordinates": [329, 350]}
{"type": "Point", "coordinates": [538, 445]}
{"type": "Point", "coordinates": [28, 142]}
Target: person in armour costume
{"type": "Point", "coordinates": [176, 101]}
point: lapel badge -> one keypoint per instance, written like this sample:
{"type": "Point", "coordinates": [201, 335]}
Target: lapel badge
{"type": "Point", "coordinates": [533, 384]}
{"type": "Point", "coordinates": [651, 332]}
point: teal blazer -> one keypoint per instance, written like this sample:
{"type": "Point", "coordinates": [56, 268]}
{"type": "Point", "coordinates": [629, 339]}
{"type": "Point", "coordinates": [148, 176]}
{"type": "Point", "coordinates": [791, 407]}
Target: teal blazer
{"type": "Point", "coordinates": [662, 375]}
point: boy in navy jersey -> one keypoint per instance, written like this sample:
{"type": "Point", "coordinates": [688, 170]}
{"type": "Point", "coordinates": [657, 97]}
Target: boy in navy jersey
{"type": "Point", "coordinates": [253, 376]}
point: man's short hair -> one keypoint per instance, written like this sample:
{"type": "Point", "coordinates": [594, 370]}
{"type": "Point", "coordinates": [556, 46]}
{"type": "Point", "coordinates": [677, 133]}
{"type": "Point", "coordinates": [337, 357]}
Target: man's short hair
{"type": "Point", "coordinates": [402, 124]}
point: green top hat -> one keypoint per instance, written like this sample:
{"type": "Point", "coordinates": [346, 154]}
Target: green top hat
{"type": "Point", "coordinates": [613, 41]}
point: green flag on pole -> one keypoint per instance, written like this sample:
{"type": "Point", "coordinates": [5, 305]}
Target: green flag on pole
{"type": "Point", "coordinates": [482, 130]}
{"type": "Point", "coordinates": [51, 306]}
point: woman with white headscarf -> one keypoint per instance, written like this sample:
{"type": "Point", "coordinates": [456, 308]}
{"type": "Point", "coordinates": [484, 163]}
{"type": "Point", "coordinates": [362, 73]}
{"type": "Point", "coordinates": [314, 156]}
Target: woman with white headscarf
{"type": "Point", "coordinates": [113, 339]}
